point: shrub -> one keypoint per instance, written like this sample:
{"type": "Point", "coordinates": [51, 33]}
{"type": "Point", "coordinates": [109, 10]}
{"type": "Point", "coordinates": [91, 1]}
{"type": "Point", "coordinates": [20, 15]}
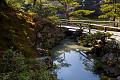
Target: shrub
{"type": "Point", "coordinates": [14, 66]}
{"type": "Point", "coordinates": [91, 39]}
{"type": "Point", "coordinates": [54, 19]}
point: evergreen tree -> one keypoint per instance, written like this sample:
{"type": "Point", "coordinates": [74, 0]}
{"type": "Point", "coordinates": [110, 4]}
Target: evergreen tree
{"type": "Point", "coordinates": [71, 8]}
{"type": "Point", "coordinates": [68, 6]}
{"type": "Point", "coordinates": [110, 9]}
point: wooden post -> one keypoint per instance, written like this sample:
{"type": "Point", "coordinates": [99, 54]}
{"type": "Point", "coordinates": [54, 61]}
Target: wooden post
{"type": "Point", "coordinates": [67, 22]}
{"type": "Point", "coordinates": [80, 26]}
{"type": "Point", "coordinates": [60, 24]}
{"type": "Point", "coordinates": [89, 28]}
{"type": "Point", "coordinates": [116, 24]}
{"type": "Point", "coordinates": [105, 29]}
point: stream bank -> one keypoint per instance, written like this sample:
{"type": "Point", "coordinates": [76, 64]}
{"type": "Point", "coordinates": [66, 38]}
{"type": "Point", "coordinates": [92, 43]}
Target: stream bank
{"type": "Point", "coordinates": [105, 52]}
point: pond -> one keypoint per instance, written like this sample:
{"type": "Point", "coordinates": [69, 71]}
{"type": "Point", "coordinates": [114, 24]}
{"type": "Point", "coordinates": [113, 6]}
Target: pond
{"type": "Point", "coordinates": [72, 63]}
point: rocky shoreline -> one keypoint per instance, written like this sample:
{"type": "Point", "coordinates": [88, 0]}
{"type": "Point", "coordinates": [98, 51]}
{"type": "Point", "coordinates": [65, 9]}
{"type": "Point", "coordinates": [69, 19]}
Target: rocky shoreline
{"type": "Point", "coordinates": [105, 50]}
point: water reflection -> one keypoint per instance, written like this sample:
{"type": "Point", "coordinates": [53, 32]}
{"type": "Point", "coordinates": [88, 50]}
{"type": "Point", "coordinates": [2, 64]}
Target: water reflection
{"type": "Point", "coordinates": [73, 65]}
{"type": "Point", "coordinates": [61, 61]}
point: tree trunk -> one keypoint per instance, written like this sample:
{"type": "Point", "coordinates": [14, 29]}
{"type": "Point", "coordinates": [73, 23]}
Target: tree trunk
{"type": "Point", "coordinates": [114, 18]}
{"type": "Point", "coordinates": [114, 21]}
{"type": "Point", "coordinates": [66, 12]}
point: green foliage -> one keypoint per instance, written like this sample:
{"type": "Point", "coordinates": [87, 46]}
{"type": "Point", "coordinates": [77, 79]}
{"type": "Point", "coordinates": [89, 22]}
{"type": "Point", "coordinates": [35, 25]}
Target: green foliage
{"type": "Point", "coordinates": [51, 34]}
{"type": "Point", "coordinates": [110, 9]}
{"type": "Point", "coordinates": [70, 3]}
{"type": "Point", "coordinates": [91, 39]}
{"type": "Point", "coordinates": [112, 45]}
{"type": "Point", "coordinates": [16, 4]}
{"type": "Point", "coordinates": [79, 13]}
{"type": "Point", "coordinates": [70, 9]}
{"type": "Point", "coordinates": [12, 61]}
{"type": "Point", "coordinates": [68, 6]}
{"type": "Point", "coordinates": [45, 9]}
{"type": "Point", "coordinates": [54, 19]}
{"type": "Point", "coordinates": [15, 32]}
{"type": "Point", "coordinates": [14, 66]}
{"type": "Point", "coordinates": [98, 66]}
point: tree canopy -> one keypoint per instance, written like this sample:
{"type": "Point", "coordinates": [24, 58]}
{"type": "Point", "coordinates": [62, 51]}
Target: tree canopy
{"type": "Point", "coordinates": [110, 9]}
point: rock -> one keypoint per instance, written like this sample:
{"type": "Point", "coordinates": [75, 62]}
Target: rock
{"type": "Point", "coordinates": [109, 57]}
{"type": "Point", "coordinates": [112, 70]}
{"type": "Point", "coordinates": [104, 58]}
{"type": "Point", "coordinates": [118, 78]}
{"type": "Point", "coordinates": [39, 35]}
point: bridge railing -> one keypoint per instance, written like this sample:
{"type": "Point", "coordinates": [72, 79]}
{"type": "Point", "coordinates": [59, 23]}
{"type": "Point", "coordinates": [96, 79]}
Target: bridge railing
{"type": "Point", "coordinates": [104, 23]}
{"type": "Point", "coordinates": [91, 24]}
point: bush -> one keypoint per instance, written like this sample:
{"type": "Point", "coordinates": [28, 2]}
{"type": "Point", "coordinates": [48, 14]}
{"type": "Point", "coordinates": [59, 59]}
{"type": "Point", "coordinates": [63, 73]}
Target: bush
{"type": "Point", "coordinates": [14, 66]}
{"type": "Point", "coordinates": [112, 45]}
{"type": "Point", "coordinates": [91, 39]}
{"type": "Point", "coordinates": [98, 66]}
{"type": "Point", "coordinates": [54, 19]}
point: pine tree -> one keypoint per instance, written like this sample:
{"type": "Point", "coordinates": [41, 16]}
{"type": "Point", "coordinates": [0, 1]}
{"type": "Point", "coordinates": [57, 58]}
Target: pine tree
{"type": "Point", "coordinates": [67, 4]}
{"type": "Point", "coordinates": [70, 8]}
{"type": "Point", "coordinates": [110, 9]}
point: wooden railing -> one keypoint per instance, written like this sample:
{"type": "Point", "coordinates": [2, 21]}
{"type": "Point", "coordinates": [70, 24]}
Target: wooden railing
{"type": "Point", "coordinates": [88, 21]}
{"type": "Point", "coordinates": [91, 24]}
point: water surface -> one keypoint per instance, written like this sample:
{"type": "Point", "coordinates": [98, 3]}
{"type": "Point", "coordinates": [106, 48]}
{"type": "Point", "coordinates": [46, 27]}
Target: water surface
{"type": "Point", "coordinates": [72, 65]}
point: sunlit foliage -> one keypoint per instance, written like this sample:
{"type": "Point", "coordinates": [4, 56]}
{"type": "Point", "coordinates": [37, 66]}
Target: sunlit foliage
{"type": "Point", "coordinates": [79, 13]}
{"type": "Point", "coordinates": [110, 9]}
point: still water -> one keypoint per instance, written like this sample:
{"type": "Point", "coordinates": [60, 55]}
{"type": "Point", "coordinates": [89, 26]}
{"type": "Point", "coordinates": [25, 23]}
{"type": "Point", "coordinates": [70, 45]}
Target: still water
{"type": "Point", "coordinates": [72, 64]}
